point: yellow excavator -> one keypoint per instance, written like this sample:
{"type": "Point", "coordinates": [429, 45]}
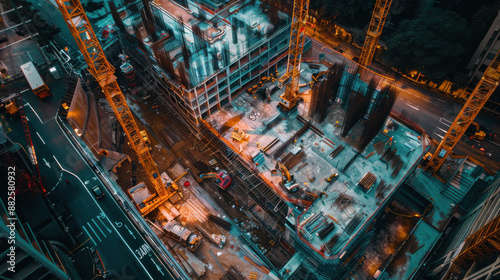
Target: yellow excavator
{"type": "Point", "coordinates": [315, 77]}
{"type": "Point", "coordinates": [287, 181]}
{"type": "Point", "coordinates": [474, 131]}
{"type": "Point", "coordinates": [221, 177]}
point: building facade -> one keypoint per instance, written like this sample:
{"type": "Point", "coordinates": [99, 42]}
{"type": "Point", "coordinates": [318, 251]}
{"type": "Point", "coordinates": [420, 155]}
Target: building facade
{"type": "Point", "coordinates": [483, 56]}
{"type": "Point", "coordinates": [215, 52]}
{"type": "Point", "coordinates": [469, 249]}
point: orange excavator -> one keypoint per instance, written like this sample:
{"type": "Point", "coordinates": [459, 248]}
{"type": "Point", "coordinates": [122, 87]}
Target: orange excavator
{"type": "Point", "coordinates": [222, 178]}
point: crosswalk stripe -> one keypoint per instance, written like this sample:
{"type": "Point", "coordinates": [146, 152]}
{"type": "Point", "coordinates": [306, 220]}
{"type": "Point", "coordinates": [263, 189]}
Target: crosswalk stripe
{"type": "Point", "coordinates": [99, 228]}
{"type": "Point", "coordinates": [94, 232]}
{"type": "Point", "coordinates": [89, 235]}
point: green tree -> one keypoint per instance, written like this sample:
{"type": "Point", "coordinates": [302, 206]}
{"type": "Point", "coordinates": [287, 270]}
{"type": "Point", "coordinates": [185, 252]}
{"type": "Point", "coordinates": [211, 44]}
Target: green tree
{"type": "Point", "coordinates": [93, 6]}
{"type": "Point", "coordinates": [351, 12]}
{"type": "Point", "coordinates": [434, 44]}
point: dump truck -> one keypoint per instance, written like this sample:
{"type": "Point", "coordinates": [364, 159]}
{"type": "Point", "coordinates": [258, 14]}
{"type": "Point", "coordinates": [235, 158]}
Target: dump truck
{"type": "Point", "coordinates": [35, 81]}
{"type": "Point", "coordinates": [182, 235]}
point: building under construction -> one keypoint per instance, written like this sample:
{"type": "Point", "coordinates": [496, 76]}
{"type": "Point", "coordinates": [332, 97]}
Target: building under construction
{"type": "Point", "coordinates": [205, 53]}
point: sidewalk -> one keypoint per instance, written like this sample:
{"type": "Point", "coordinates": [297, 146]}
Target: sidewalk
{"type": "Point", "coordinates": [328, 39]}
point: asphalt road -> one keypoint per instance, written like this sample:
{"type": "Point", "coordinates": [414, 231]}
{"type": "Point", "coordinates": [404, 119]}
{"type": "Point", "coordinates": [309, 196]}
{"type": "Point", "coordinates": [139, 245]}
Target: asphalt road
{"type": "Point", "coordinates": [102, 223]}
{"type": "Point", "coordinates": [432, 112]}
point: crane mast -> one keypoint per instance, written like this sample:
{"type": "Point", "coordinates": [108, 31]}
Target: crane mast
{"type": "Point", "coordinates": [482, 92]}
{"type": "Point", "coordinates": [288, 100]}
{"type": "Point", "coordinates": [380, 12]}
{"type": "Point", "coordinates": [79, 25]}
{"type": "Point", "coordinates": [27, 135]}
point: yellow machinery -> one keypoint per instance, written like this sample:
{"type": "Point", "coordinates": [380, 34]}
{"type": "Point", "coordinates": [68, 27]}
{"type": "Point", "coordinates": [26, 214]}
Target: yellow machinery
{"type": "Point", "coordinates": [374, 31]}
{"type": "Point", "coordinates": [11, 107]}
{"type": "Point", "coordinates": [288, 181]}
{"type": "Point", "coordinates": [471, 108]}
{"type": "Point", "coordinates": [478, 133]}
{"type": "Point", "coordinates": [79, 25]}
{"type": "Point", "coordinates": [331, 177]}
{"type": "Point", "coordinates": [239, 135]}
{"type": "Point", "coordinates": [288, 100]}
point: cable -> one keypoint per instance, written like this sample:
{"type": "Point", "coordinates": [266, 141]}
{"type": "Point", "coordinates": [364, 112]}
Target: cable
{"type": "Point", "coordinates": [402, 215]}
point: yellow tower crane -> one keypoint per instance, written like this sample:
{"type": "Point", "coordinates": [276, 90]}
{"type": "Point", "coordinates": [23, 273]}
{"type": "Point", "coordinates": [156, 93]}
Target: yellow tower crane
{"type": "Point", "coordinates": [288, 100]}
{"type": "Point", "coordinates": [79, 25]}
{"type": "Point", "coordinates": [471, 108]}
{"type": "Point", "coordinates": [377, 22]}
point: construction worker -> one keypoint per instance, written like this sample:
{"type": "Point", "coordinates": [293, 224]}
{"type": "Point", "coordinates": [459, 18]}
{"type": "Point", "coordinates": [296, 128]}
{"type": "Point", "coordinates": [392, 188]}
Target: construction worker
{"type": "Point", "coordinates": [337, 124]}
{"type": "Point", "coordinates": [67, 182]}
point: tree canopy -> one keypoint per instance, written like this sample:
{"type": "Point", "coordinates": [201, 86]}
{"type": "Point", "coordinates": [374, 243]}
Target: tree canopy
{"type": "Point", "coordinates": [351, 12]}
{"type": "Point", "coordinates": [434, 44]}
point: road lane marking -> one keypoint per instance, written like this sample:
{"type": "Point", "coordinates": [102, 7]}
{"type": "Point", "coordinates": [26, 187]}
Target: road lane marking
{"type": "Point", "coordinates": [157, 267]}
{"type": "Point", "coordinates": [99, 217]}
{"type": "Point", "coordinates": [130, 232]}
{"type": "Point", "coordinates": [99, 206]}
{"type": "Point", "coordinates": [94, 231]}
{"type": "Point", "coordinates": [409, 105]}
{"type": "Point", "coordinates": [445, 122]}
{"type": "Point", "coordinates": [58, 162]}
{"type": "Point", "coordinates": [493, 143]}
{"type": "Point", "coordinates": [440, 136]}
{"type": "Point", "coordinates": [95, 244]}
{"type": "Point", "coordinates": [119, 207]}
{"type": "Point", "coordinates": [119, 224]}
{"type": "Point", "coordinates": [34, 112]}
{"type": "Point", "coordinates": [99, 228]}
{"type": "Point", "coordinates": [46, 163]}
{"type": "Point", "coordinates": [40, 138]}
{"type": "Point", "coordinates": [443, 130]}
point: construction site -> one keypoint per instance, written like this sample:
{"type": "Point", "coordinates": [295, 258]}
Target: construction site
{"type": "Point", "coordinates": [249, 162]}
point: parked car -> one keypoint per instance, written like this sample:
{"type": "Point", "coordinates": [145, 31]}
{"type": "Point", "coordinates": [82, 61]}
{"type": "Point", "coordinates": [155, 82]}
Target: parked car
{"type": "Point", "coordinates": [98, 192]}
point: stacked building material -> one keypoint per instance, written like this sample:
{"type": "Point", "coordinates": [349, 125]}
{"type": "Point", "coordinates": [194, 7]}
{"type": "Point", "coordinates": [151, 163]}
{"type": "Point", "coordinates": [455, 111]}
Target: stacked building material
{"type": "Point", "coordinates": [323, 233]}
{"type": "Point", "coordinates": [367, 181]}
{"type": "Point", "coordinates": [337, 151]}
{"type": "Point", "coordinates": [290, 160]}
{"type": "Point", "coordinates": [221, 222]}
{"type": "Point", "coordinates": [279, 151]}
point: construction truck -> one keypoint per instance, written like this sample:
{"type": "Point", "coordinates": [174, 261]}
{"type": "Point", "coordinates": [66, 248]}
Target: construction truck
{"type": "Point", "coordinates": [182, 235]}
{"type": "Point", "coordinates": [287, 182]}
{"type": "Point", "coordinates": [475, 131]}
{"type": "Point", "coordinates": [35, 81]}
{"type": "Point", "coordinates": [222, 178]}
